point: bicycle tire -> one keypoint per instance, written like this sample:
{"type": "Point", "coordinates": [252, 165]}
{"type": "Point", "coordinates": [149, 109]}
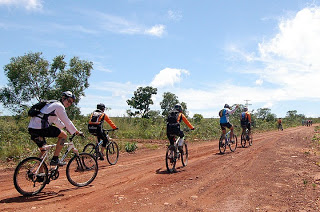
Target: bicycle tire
{"type": "Point", "coordinates": [250, 139]}
{"type": "Point", "coordinates": [112, 153]}
{"type": "Point", "coordinates": [170, 161]}
{"type": "Point", "coordinates": [25, 181]}
{"type": "Point", "coordinates": [184, 154]}
{"type": "Point", "coordinates": [82, 169]}
{"type": "Point", "coordinates": [91, 149]}
{"type": "Point", "coordinates": [233, 146]}
{"type": "Point", "coordinates": [243, 140]}
{"type": "Point", "coordinates": [222, 145]}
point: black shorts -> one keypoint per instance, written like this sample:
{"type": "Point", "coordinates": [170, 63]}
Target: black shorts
{"type": "Point", "coordinates": [38, 135]}
{"type": "Point", "coordinates": [224, 125]}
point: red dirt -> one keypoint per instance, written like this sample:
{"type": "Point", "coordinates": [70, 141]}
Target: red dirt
{"type": "Point", "coordinates": [277, 173]}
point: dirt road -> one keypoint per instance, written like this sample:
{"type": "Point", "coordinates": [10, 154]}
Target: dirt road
{"type": "Point", "coordinates": [277, 173]}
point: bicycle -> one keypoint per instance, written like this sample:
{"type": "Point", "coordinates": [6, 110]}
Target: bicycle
{"type": "Point", "coordinates": [245, 137]}
{"type": "Point", "coordinates": [112, 150]}
{"type": "Point", "coordinates": [32, 174]}
{"type": "Point", "coordinates": [224, 141]}
{"type": "Point", "coordinates": [173, 154]}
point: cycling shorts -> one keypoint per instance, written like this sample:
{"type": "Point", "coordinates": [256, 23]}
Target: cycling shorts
{"type": "Point", "coordinates": [38, 135]}
{"type": "Point", "coordinates": [224, 125]}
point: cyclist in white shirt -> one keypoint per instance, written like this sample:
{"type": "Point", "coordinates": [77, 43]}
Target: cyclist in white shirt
{"type": "Point", "coordinates": [53, 113]}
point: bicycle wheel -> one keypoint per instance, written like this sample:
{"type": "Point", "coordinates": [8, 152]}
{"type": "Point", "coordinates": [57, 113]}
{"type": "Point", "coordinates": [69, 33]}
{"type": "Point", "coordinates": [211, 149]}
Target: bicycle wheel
{"type": "Point", "coordinates": [82, 170]}
{"type": "Point", "coordinates": [25, 179]}
{"type": "Point", "coordinates": [233, 143]}
{"type": "Point", "coordinates": [243, 140]}
{"type": "Point", "coordinates": [170, 161]}
{"type": "Point", "coordinates": [222, 145]}
{"type": "Point", "coordinates": [91, 149]}
{"type": "Point", "coordinates": [184, 154]}
{"type": "Point", "coordinates": [112, 153]}
{"type": "Point", "coordinates": [250, 139]}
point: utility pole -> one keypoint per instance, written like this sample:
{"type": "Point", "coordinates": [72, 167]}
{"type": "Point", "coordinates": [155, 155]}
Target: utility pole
{"type": "Point", "coordinates": [247, 103]}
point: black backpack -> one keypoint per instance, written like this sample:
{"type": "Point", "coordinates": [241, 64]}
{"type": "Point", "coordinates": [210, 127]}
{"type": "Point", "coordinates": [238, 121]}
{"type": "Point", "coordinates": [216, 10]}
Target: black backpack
{"type": "Point", "coordinates": [173, 117]}
{"type": "Point", "coordinates": [35, 109]}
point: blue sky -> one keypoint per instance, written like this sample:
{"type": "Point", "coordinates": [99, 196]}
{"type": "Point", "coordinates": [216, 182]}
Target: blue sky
{"type": "Point", "coordinates": [206, 52]}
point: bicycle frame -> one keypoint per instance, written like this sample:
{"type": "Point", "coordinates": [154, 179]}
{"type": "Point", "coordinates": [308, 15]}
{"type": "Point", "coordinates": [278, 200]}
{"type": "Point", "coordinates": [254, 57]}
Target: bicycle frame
{"type": "Point", "coordinates": [48, 147]}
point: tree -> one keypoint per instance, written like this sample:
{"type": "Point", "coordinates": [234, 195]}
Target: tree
{"type": "Point", "coordinates": [197, 118]}
{"type": "Point", "coordinates": [264, 113]}
{"type": "Point", "coordinates": [168, 102]}
{"type": "Point", "coordinates": [141, 101]}
{"type": "Point", "coordinates": [31, 77]}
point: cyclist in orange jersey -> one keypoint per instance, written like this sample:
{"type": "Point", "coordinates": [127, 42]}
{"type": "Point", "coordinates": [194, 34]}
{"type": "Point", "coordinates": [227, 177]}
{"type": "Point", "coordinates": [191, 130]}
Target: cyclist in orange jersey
{"type": "Point", "coordinates": [245, 120]}
{"type": "Point", "coordinates": [173, 126]}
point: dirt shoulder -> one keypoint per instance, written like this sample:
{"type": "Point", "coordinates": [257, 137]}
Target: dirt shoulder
{"type": "Point", "coordinates": [278, 173]}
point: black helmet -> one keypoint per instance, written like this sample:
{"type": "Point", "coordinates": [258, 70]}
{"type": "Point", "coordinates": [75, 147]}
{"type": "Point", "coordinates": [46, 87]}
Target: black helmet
{"type": "Point", "coordinates": [245, 109]}
{"type": "Point", "coordinates": [69, 94]}
{"type": "Point", "coordinates": [226, 106]}
{"type": "Point", "coordinates": [178, 107]}
{"type": "Point", "coordinates": [101, 106]}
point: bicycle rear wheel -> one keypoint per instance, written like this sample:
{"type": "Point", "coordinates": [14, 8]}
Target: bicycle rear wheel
{"type": "Point", "coordinates": [91, 149]}
{"type": "Point", "coordinates": [184, 154]}
{"type": "Point", "coordinates": [112, 153]}
{"type": "Point", "coordinates": [233, 143]}
{"type": "Point", "coordinates": [243, 140]}
{"type": "Point", "coordinates": [222, 145]}
{"type": "Point", "coordinates": [25, 179]}
{"type": "Point", "coordinates": [82, 170]}
{"type": "Point", "coordinates": [170, 160]}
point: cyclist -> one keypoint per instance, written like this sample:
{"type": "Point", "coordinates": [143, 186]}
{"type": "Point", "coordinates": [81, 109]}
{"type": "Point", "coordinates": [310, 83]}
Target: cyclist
{"type": "Point", "coordinates": [95, 126]}
{"type": "Point", "coordinates": [245, 120]}
{"type": "Point", "coordinates": [173, 126]}
{"type": "Point", "coordinates": [224, 119]}
{"type": "Point", "coordinates": [41, 126]}
{"type": "Point", "coordinates": [280, 124]}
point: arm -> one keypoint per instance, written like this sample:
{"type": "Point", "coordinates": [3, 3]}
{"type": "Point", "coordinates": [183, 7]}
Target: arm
{"type": "Point", "coordinates": [63, 117]}
{"type": "Point", "coordinates": [108, 120]}
{"type": "Point", "coordinates": [185, 120]}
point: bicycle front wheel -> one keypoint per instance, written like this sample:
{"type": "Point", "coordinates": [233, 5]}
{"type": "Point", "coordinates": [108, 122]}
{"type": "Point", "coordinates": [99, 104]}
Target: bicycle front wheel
{"type": "Point", "coordinates": [243, 140]}
{"type": "Point", "coordinates": [184, 154]}
{"type": "Point", "coordinates": [112, 153]}
{"type": "Point", "coordinates": [233, 143]}
{"type": "Point", "coordinates": [27, 180]}
{"type": "Point", "coordinates": [222, 145]}
{"type": "Point", "coordinates": [170, 160]}
{"type": "Point", "coordinates": [91, 149]}
{"type": "Point", "coordinates": [250, 139]}
{"type": "Point", "coordinates": [82, 170]}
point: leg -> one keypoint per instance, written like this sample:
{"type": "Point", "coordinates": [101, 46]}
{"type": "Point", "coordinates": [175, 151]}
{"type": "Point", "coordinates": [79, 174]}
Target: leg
{"type": "Point", "coordinates": [62, 137]}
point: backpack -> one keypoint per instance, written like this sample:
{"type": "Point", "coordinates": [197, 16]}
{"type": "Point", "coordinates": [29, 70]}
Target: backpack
{"type": "Point", "coordinates": [95, 122]}
{"type": "Point", "coordinates": [244, 117]}
{"type": "Point", "coordinates": [173, 117]}
{"type": "Point", "coordinates": [222, 112]}
{"type": "Point", "coordinates": [35, 109]}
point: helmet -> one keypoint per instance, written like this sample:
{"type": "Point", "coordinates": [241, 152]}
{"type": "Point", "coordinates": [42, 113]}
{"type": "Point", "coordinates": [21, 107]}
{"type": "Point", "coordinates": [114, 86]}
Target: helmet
{"type": "Point", "coordinates": [178, 107]}
{"type": "Point", "coordinates": [226, 106]}
{"type": "Point", "coordinates": [101, 106]}
{"type": "Point", "coordinates": [69, 94]}
{"type": "Point", "coordinates": [245, 109]}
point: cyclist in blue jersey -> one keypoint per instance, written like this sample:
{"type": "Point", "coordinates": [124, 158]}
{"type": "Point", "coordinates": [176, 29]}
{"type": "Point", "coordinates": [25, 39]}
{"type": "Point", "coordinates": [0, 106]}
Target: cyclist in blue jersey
{"type": "Point", "coordinates": [224, 119]}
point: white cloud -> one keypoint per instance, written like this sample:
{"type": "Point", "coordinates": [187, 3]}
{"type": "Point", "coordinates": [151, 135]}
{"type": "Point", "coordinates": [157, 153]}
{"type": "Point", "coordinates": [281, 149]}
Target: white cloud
{"type": "Point", "coordinates": [121, 25]}
{"type": "Point", "coordinates": [27, 4]}
{"type": "Point", "coordinates": [157, 30]}
{"type": "Point", "coordinates": [168, 76]}
{"type": "Point", "coordinates": [259, 82]}
{"type": "Point", "coordinates": [175, 15]}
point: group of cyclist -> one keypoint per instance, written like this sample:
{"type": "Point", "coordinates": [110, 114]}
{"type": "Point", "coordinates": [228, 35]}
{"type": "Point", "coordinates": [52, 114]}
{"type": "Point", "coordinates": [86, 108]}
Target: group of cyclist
{"type": "Point", "coordinates": [54, 112]}
{"type": "Point", "coordinates": [307, 123]}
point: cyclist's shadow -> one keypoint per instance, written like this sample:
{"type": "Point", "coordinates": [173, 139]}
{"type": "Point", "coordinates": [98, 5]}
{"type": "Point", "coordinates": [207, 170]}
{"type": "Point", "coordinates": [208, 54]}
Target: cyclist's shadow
{"type": "Point", "coordinates": [40, 196]}
{"type": "Point", "coordinates": [165, 171]}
